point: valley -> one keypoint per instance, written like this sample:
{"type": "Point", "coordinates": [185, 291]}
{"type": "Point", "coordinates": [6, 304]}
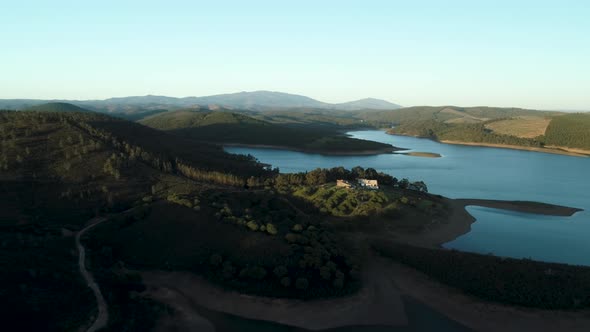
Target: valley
{"type": "Point", "coordinates": [178, 206]}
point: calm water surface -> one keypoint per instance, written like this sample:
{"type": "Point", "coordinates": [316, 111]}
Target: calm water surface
{"type": "Point", "coordinates": [476, 172]}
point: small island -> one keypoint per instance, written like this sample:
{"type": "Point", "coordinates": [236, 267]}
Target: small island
{"type": "Point", "coordinates": [420, 154]}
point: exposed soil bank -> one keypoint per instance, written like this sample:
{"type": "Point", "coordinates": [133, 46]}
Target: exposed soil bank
{"type": "Point", "coordinates": [480, 315]}
{"type": "Point", "coordinates": [523, 206]}
{"type": "Point", "coordinates": [378, 303]}
{"type": "Point", "coordinates": [547, 149]}
{"type": "Point", "coordinates": [421, 154]}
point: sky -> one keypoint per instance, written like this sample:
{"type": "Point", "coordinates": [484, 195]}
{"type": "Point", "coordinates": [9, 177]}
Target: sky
{"type": "Point", "coordinates": [533, 54]}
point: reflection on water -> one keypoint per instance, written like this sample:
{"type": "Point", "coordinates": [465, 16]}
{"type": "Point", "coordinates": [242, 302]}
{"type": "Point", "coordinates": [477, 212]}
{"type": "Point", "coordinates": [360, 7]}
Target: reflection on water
{"type": "Point", "coordinates": [475, 172]}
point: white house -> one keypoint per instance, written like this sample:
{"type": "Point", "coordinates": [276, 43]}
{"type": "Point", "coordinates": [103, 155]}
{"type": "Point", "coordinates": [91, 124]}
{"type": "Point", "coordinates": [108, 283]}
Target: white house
{"type": "Point", "coordinates": [369, 184]}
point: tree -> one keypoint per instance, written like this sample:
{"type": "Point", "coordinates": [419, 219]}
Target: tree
{"type": "Point", "coordinates": [301, 283]}
{"type": "Point", "coordinates": [325, 273]}
{"type": "Point", "coordinates": [286, 281]}
{"type": "Point", "coordinates": [280, 271]}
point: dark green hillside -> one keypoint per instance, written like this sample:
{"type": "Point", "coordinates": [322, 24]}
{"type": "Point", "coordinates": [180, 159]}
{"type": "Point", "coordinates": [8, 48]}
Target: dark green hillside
{"type": "Point", "coordinates": [58, 170]}
{"type": "Point", "coordinates": [56, 107]}
{"type": "Point", "coordinates": [570, 130]}
{"type": "Point", "coordinates": [226, 127]}
{"type": "Point", "coordinates": [312, 118]}
{"type": "Point", "coordinates": [190, 118]}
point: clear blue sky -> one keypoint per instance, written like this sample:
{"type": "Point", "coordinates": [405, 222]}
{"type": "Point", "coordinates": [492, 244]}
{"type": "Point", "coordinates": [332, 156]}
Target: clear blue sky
{"type": "Point", "coordinates": [503, 53]}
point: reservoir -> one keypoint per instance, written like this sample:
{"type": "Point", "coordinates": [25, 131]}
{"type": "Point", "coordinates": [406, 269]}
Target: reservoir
{"type": "Point", "coordinates": [480, 172]}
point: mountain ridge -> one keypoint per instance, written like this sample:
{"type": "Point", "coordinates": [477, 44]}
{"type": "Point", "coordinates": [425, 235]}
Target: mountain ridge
{"type": "Point", "coordinates": [252, 100]}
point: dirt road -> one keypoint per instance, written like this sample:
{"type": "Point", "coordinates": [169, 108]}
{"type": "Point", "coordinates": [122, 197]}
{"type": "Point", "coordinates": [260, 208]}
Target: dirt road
{"type": "Point", "coordinates": [103, 312]}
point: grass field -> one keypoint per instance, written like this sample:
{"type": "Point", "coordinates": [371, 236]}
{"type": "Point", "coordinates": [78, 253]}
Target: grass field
{"type": "Point", "coordinates": [522, 126]}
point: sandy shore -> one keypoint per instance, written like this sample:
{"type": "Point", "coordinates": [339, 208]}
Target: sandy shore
{"type": "Point", "coordinates": [377, 303]}
{"type": "Point", "coordinates": [523, 206]}
{"type": "Point", "coordinates": [383, 299]}
{"type": "Point", "coordinates": [547, 149]}
{"type": "Point", "coordinates": [322, 152]}
{"type": "Point", "coordinates": [421, 154]}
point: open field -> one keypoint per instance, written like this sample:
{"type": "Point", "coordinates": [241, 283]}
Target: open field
{"type": "Point", "coordinates": [522, 126]}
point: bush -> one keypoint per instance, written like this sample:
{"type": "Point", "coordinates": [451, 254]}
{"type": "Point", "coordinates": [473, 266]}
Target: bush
{"type": "Point", "coordinates": [271, 229]}
{"type": "Point", "coordinates": [252, 225]}
{"type": "Point", "coordinates": [280, 271]}
{"type": "Point", "coordinates": [215, 259]}
{"type": "Point", "coordinates": [254, 272]}
{"type": "Point", "coordinates": [325, 272]}
{"type": "Point", "coordinates": [286, 281]}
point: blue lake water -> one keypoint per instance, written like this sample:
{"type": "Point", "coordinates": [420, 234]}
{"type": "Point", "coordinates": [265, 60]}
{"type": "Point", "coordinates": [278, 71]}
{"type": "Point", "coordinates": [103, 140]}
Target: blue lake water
{"type": "Point", "coordinates": [477, 172]}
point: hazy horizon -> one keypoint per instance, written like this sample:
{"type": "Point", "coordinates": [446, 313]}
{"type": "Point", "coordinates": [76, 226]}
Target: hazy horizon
{"type": "Point", "coordinates": [527, 55]}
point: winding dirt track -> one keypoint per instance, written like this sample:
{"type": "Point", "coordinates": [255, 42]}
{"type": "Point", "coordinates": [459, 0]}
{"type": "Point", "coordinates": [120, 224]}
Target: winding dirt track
{"type": "Point", "coordinates": [103, 312]}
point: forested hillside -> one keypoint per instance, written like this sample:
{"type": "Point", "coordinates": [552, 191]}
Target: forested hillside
{"type": "Point", "coordinates": [58, 170]}
{"type": "Point", "coordinates": [226, 127]}
{"type": "Point", "coordinates": [450, 114]}
{"type": "Point", "coordinates": [571, 130]}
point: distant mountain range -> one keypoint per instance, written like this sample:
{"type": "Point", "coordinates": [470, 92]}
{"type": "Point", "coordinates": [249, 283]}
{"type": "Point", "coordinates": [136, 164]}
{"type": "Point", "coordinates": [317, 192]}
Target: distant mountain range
{"type": "Point", "coordinates": [256, 100]}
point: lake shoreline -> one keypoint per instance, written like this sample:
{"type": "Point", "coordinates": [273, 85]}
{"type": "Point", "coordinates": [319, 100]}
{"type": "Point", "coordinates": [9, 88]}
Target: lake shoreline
{"type": "Point", "coordinates": [370, 152]}
{"type": "Point", "coordinates": [459, 221]}
{"type": "Point", "coordinates": [547, 149]}
{"type": "Point", "coordinates": [378, 301]}
{"type": "Point", "coordinates": [551, 150]}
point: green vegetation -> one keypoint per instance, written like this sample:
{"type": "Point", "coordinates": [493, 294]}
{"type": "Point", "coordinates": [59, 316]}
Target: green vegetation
{"type": "Point", "coordinates": [226, 127]}
{"type": "Point", "coordinates": [571, 130]}
{"type": "Point", "coordinates": [345, 202]}
{"type": "Point", "coordinates": [58, 170]}
{"type": "Point", "coordinates": [449, 114]}
{"type": "Point", "coordinates": [196, 208]}
{"type": "Point", "coordinates": [504, 126]}
{"type": "Point", "coordinates": [520, 282]}
{"type": "Point", "coordinates": [476, 133]}
{"type": "Point", "coordinates": [56, 107]}
{"type": "Point", "coordinates": [286, 245]}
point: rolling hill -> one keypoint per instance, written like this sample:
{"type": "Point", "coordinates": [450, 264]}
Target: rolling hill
{"type": "Point", "coordinates": [234, 128]}
{"type": "Point", "coordinates": [448, 114]}
{"type": "Point", "coordinates": [56, 107]}
{"type": "Point", "coordinates": [255, 100]}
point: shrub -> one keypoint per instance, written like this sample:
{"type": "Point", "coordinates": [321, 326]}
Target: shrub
{"type": "Point", "coordinates": [252, 225]}
{"type": "Point", "coordinates": [271, 229]}
{"type": "Point", "coordinates": [286, 281]}
{"type": "Point", "coordinates": [254, 272]}
{"type": "Point", "coordinates": [338, 283]}
{"type": "Point", "coordinates": [297, 228]}
{"type": "Point", "coordinates": [215, 259]}
{"type": "Point", "coordinates": [228, 270]}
